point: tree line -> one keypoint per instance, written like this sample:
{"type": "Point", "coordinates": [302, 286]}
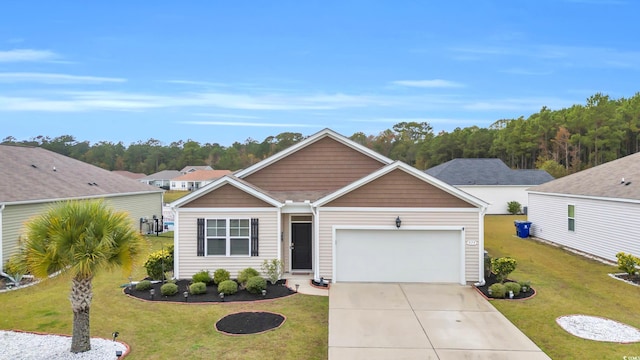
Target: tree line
{"type": "Point", "coordinates": [560, 141]}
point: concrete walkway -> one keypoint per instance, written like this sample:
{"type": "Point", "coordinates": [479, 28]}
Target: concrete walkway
{"type": "Point", "coordinates": [420, 321]}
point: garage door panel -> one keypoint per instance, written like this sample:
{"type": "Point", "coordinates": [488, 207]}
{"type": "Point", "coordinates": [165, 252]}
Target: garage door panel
{"type": "Point", "coordinates": [398, 255]}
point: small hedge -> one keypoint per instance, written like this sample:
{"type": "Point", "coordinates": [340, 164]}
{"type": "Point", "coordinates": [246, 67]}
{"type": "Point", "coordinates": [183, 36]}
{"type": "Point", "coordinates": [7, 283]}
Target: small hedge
{"type": "Point", "coordinates": [169, 289]}
{"type": "Point", "coordinates": [228, 287]}
{"type": "Point", "coordinates": [246, 274]}
{"type": "Point", "coordinates": [198, 288]}
{"type": "Point", "coordinates": [512, 286]}
{"type": "Point", "coordinates": [502, 267]}
{"type": "Point", "coordinates": [221, 275]}
{"type": "Point", "coordinates": [256, 284]}
{"type": "Point", "coordinates": [497, 290]}
{"type": "Point", "coordinates": [201, 276]}
{"type": "Point", "coordinates": [143, 285]}
{"type": "Point", "coordinates": [627, 263]}
{"type": "Point", "coordinates": [158, 261]}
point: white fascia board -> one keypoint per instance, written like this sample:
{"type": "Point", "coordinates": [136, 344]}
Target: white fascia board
{"type": "Point", "coordinates": [586, 197]}
{"type": "Point", "coordinates": [310, 140]}
{"type": "Point", "coordinates": [176, 245]}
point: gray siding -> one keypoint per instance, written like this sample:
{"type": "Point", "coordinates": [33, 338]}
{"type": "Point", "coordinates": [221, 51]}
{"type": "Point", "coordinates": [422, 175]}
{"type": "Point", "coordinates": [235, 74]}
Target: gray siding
{"type": "Point", "coordinates": [468, 219]}
{"type": "Point", "coordinates": [186, 241]}
{"type": "Point", "coordinates": [602, 228]}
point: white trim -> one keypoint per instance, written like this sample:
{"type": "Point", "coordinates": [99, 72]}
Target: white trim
{"type": "Point", "coordinates": [297, 208]}
{"type": "Point", "coordinates": [1, 243]}
{"type": "Point", "coordinates": [227, 238]}
{"type": "Point", "coordinates": [316, 243]}
{"type": "Point", "coordinates": [176, 244]}
{"type": "Point", "coordinates": [226, 210]}
{"type": "Point", "coordinates": [335, 228]}
{"type": "Point", "coordinates": [481, 246]}
{"type": "Point", "coordinates": [279, 238]}
{"type": "Point", "coordinates": [409, 170]}
{"type": "Point", "coordinates": [390, 209]}
{"type": "Point", "coordinates": [226, 180]}
{"type": "Point", "coordinates": [39, 201]}
{"type": "Point", "coordinates": [571, 218]}
{"type": "Point", "coordinates": [308, 141]}
{"type": "Point", "coordinates": [588, 197]}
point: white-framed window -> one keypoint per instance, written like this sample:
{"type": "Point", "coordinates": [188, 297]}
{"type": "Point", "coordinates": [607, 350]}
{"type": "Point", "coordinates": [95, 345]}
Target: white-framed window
{"type": "Point", "coordinates": [228, 237]}
{"type": "Point", "coordinates": [571, 216]}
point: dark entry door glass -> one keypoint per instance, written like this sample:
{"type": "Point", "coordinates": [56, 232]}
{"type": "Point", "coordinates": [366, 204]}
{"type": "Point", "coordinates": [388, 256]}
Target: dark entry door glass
{"type": "Point", "coordinates": [301, 243]}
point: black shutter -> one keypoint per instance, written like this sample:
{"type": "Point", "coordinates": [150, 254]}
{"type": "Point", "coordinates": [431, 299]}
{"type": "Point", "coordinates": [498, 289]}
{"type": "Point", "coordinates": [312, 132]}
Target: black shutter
{"type": "Point", "coordinates": [254, 237]}
{"type": "Point", "coordinates": [200, 237]}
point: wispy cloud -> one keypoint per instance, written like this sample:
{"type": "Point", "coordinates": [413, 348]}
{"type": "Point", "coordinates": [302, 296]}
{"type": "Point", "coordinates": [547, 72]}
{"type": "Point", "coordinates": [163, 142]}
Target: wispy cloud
{"type": "Point", "coordinates": [27, 55]}
{"type": "Point", "coordinates": [435, 83]}
{"type": "Point", "coordinates": [246, 124]}
{"type": "Point", "coordinates": [48, 78]}
{"type": "Point", "coordinates": [195, 82]}
{"type": "Point", "coordinates": [227, 116]}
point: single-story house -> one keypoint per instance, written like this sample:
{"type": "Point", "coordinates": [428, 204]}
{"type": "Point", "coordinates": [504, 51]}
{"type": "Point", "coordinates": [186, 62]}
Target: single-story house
{"type": "Point", "coordinates": [161, 179]}
{"type": "Point", "coordinates": [595, 211]}
{"type": "Point", "coordinates": [331, 208]}
{"type": "Point", "coordinates": [490, 180]}
{"type": "Point", "coordinates": [32, 179]}
{"type": "Point", "coordinates": [192, 168]}
{"type": "Point", "coordinates": [196, 179]}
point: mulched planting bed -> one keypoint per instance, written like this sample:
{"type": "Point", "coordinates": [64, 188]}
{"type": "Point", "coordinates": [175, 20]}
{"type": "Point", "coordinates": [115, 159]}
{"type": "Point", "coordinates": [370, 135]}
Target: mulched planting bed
{"type": "Point", "coordinates": [212, 295]}
{"type": "Point", "coordinates": [630, 278]}
{"type": "Point", "coordinates": [491, 279]}
{"type": "Point", "coordinates": [249, 322]}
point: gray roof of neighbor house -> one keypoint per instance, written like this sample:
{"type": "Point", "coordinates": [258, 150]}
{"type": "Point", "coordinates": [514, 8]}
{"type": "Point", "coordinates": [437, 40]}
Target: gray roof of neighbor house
{"type": "Point", "coordinates": [34, 174]}
{"type": "Point", "coordinates": [196, 167]}
{"type": "Point", "coordinates": [129, 174]}
{"type": "Point", "coordinates": [162, 175]}
{"type": "Point", "coordinates": [604, 180]}
{"type": "Point", "coordinates": [486, 172]}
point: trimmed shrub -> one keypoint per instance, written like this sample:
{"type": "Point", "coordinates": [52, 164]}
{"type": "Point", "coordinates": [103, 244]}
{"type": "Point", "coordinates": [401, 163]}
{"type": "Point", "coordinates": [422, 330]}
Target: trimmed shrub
{"type": "Point", "coordinates": [201, 276]}
{"type": "Point", "coordinates": [512, 286]}
{"type": "Point", "coordinates": [627, 263]}
{"type": "Point", "coordinates": [525, 286]}
{"type": "Point", "coordinates": [502, 267]}
{"type": "Point", "coordinates": [221, 275]}
{"type": "Point", "coordinates": [198, 288]}
{"type": "Point", "coordinates": [497, 290]}
{"type": "Point", "coordinates": [169, 289]}
{"type": "Point", "coordinates": [256, 284]}
{"type": "Point", "coordinates": [273, 270]}
{"type": "Point", "coordinates": [143, 285]}
{"type": "Point", "coordinates": [514, 207]}
{"type": "Point", "coordinates": [228, 287]}
{"type": "Point", "coordinates": [159, 262]}
{"type": "Point", "coordinates": [245, 274]}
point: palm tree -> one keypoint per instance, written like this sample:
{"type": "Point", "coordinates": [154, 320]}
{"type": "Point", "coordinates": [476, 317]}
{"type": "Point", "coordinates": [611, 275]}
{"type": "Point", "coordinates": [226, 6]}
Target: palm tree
{"type": "Point", "coordinates": [81, 238]}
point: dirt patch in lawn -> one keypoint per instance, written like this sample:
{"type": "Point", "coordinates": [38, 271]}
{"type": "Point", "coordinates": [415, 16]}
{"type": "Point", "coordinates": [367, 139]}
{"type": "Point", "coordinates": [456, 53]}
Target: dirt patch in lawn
{"type": "Point", "coordinates": [243, 323]}
{"type": "Point", "coordinates": [491, 279]}
{"type": "Point", "coordinates": [212, 295]}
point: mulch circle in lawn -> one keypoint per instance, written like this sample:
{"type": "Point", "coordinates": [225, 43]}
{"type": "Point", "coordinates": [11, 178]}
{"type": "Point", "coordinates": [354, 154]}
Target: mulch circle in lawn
{"type": "Point", "coordinates": [491, 279]}
{"type": "Point", "coordinates": [244, 323]}
{"type": "Point", "coordinates": [211, 296]}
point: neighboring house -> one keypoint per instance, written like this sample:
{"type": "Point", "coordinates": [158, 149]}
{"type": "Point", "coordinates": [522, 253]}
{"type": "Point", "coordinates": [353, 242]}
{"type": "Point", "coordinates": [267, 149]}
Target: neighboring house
{"type": "Point", "coordinates": [329, 207]}
{"type": "Point", "coordinates": [129, 174]}
{"type": "Point", "coordinates": [32, 179]}
{"type": "Point", "coordinates": [161, 179]}
{"type": "Point", "coordinates": [188, 169]}
{"type": "Point", "coordinates": [595, 211]}
{"type": "Point", "coordinates": [194, 180]}
{"type": "Point", "coordinates": [490, 180]}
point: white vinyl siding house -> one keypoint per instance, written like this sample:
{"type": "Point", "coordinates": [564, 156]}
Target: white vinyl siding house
{"type": "Point", "coordinates": [498, 196]}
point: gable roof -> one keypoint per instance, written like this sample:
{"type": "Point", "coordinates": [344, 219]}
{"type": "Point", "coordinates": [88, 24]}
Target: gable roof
{"type": "Point", "coordinates": [603, 181]}
{"type": "Point", "coordinates": [486, 172]}
{"type": "Point", "coordinates": [233, 181]}
{"type": "Point", "coordinates": [410, 170]}
{"type": "Point", "coordinates": [129, 174]}
{"type": "Point", "coordinates": [310, 140]}
{"type": "Point", "coordinates": [29, 174]}
{"type": "Point", "coordinates": [195, 168]}
{"type": "Point", "coordinates": [199, 175]}
{"type": "Point", "coordinates": [162, 175]}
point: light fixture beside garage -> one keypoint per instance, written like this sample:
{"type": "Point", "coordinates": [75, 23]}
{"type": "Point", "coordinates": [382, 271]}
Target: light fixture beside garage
{"type": "Point", "coordinates": [398, 222]}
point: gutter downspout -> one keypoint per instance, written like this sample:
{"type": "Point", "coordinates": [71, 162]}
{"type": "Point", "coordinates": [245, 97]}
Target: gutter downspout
{"type": "Point", "coordinates": [316, 243]}
{"type": "Point", "coordinates": [481, 245]}
{"type": "Point", "coordinates": [1, 243]}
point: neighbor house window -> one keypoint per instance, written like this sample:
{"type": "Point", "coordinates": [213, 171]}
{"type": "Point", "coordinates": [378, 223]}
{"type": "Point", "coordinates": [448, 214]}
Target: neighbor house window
{"type": "Point", "coordinates": [228, 237]}
{"type": "Point", "coordinates": [571, 212]}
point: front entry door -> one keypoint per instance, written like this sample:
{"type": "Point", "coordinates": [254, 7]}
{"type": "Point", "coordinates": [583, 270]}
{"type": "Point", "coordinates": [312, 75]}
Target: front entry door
{"type": "Point", "coordinates": [301, 246]}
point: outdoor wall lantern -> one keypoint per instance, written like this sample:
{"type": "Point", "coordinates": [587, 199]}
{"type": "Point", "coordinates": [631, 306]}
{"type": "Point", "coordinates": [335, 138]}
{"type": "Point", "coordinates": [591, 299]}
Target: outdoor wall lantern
{"type": "Point", "coordinates": [398, 222]}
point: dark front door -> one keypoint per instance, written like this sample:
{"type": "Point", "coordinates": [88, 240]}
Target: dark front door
{"type": "Point", "coordinates": [301, 246]}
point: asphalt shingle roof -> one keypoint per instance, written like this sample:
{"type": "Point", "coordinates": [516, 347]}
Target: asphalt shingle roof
{"type": "Point", "coordinates": [486, 172]}
{"type": "Point", "coordinates": [162, 175]}
{"type": "Point", "coordinates": [601, 181]}
{"type": "Point", "coordinates": [31, 174]}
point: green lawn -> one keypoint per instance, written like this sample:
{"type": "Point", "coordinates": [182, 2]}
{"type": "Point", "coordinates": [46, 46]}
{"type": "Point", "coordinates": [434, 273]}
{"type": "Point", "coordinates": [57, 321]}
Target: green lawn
{"type": "Point", "coordinates": [170, 331]}
{"type": "Point", "coordinates": [173, 195]}
{"type": "Point", "coordinates": [566, 284]}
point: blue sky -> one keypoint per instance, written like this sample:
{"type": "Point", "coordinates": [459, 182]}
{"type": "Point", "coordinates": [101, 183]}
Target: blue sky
{"type": "Point", "coordinates": [221, 72]}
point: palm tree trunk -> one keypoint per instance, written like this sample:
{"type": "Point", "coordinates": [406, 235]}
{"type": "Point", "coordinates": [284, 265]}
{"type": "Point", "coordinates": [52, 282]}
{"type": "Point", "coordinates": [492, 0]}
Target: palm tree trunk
{"type": "Point", "coordinates": [81, 294]}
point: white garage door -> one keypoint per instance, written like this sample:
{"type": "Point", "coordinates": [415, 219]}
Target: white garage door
{"type": "Point", "coordinates": [433, 256]}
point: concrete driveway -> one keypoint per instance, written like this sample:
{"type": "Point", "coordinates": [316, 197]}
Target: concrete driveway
{"type": "Point", "coordinates": [420, 321]}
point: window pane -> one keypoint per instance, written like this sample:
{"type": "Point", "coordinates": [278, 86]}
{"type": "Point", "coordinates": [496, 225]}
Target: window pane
{"type": "Point", "coordinates": [216, 247]}
{"type": "Point", "coordinates": [216, 227]}
{"type": "Point", "coordinates": [239, 246]}
{"type": "Point", "coordinates": [238, 227]}
{"type": "Point", "coordinates": [571, 210]}
{"type": "Point", "coordinates": [572, 225]}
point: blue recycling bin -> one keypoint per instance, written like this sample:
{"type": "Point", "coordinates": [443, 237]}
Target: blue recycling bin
{"type": "Point", "coordinates": [522, 228]}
